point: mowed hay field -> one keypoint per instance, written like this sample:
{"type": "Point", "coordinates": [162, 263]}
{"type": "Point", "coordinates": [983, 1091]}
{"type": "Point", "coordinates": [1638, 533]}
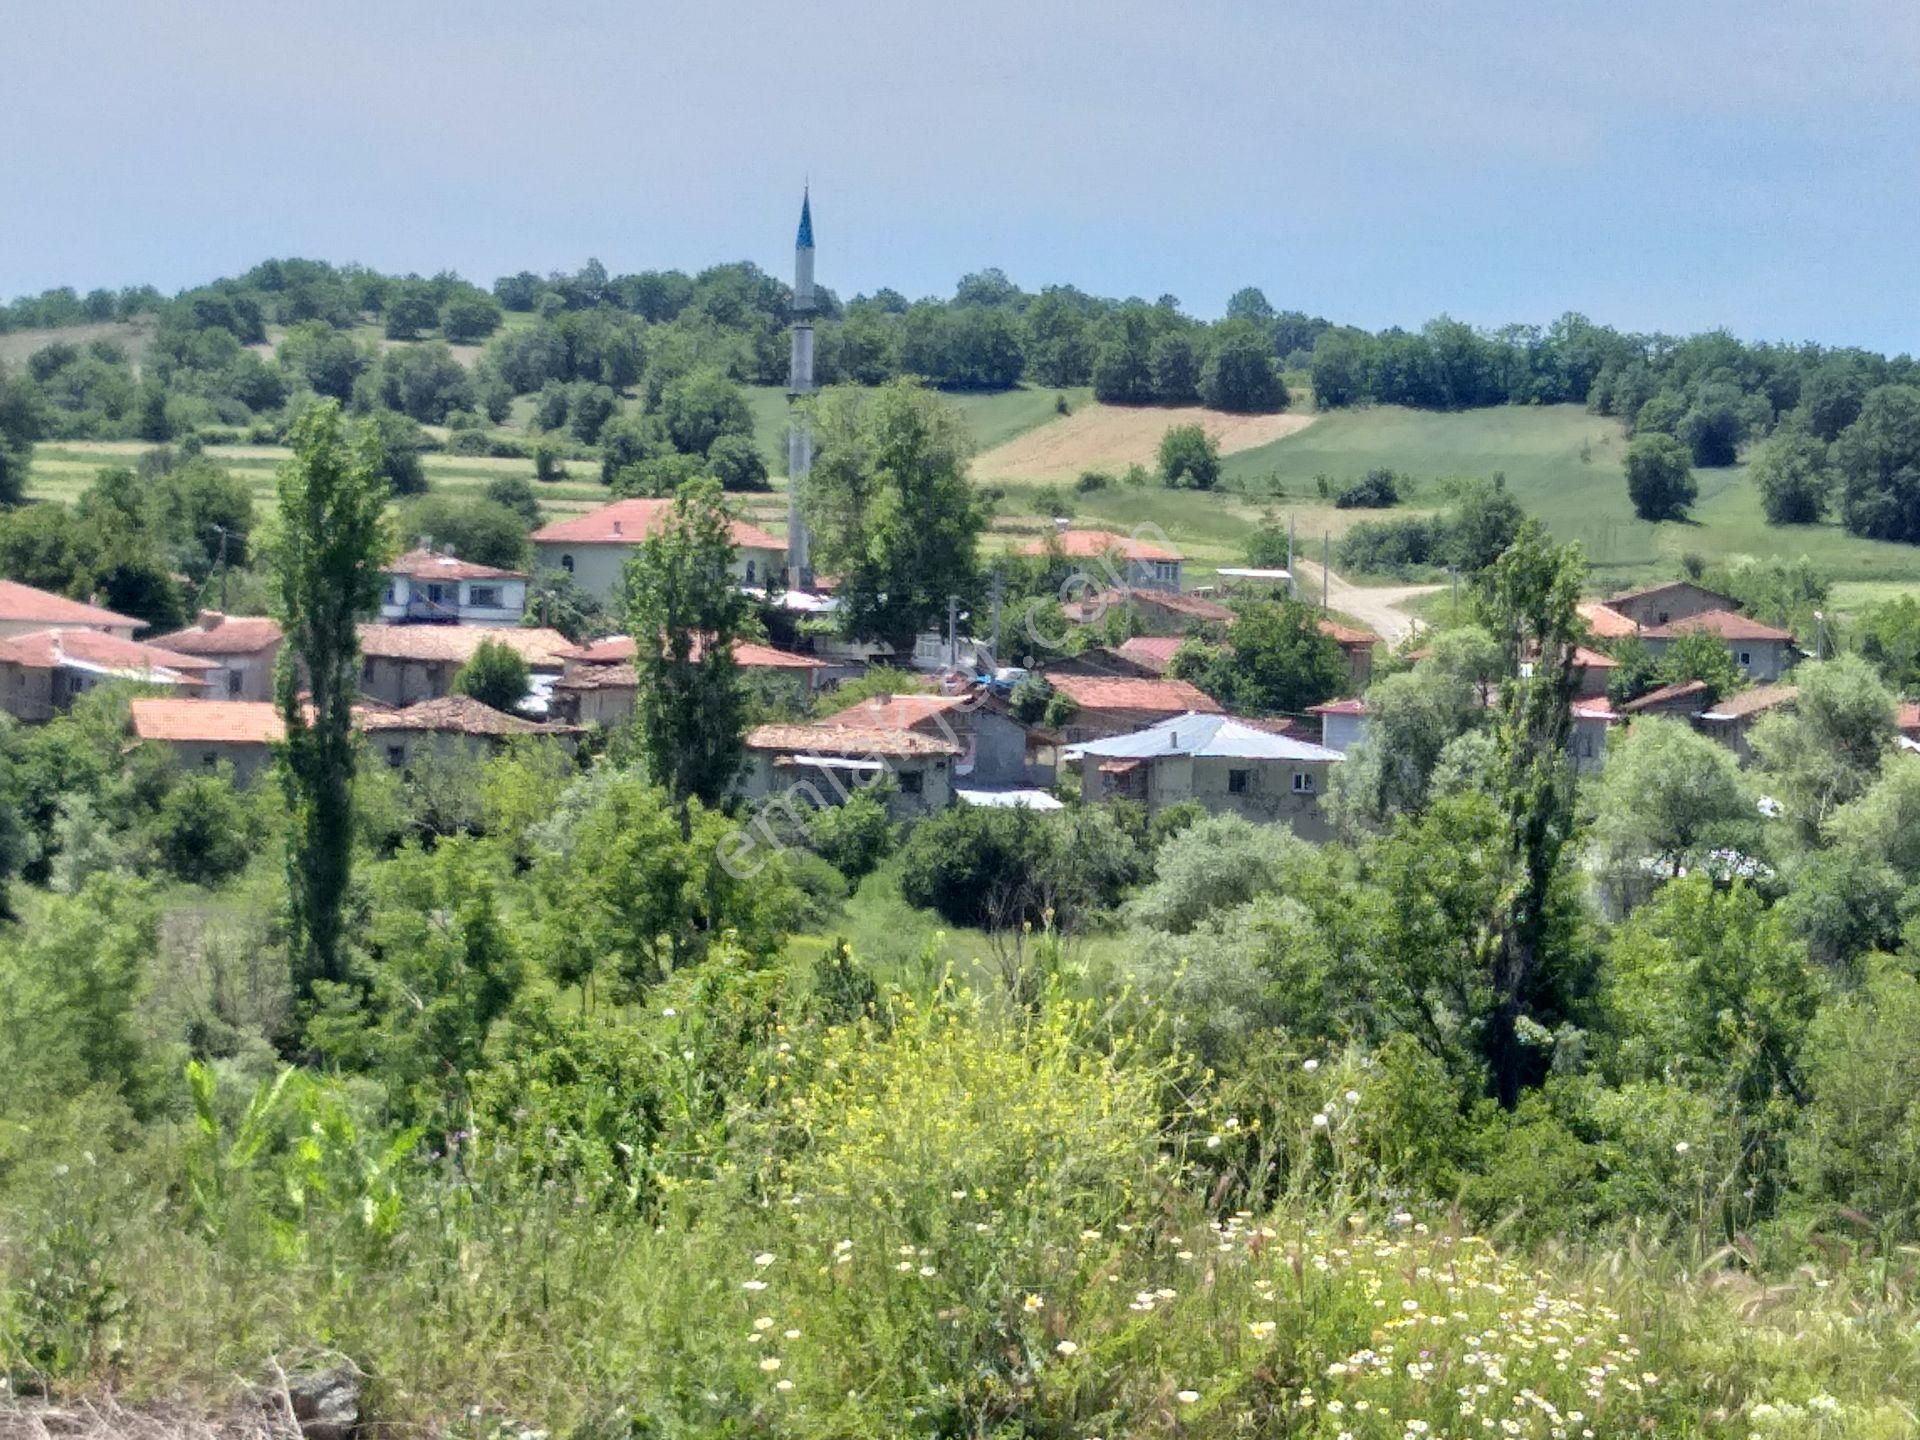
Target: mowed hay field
{"type": "Point", "coordinates": [1112, 437]}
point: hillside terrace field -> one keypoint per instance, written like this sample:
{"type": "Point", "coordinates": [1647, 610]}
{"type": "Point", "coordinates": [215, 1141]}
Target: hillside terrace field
{"type": "Point", "coordinates": [1564, 465]}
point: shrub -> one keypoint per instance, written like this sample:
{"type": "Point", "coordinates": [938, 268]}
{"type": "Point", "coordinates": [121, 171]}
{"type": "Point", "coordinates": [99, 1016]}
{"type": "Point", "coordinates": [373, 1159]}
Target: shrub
{"type": "Point", "coordinates": [1189, 458]}
{"type": "Point", "coordinates": [853, 837]}
{"type": "Point", "coordinates": [496, 676]}
{"type": "Point", "coordinates": [1381, 489]}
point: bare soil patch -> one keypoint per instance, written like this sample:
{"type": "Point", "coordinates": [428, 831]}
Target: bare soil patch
{"type": "Point", "coordinates": [1115, 436]}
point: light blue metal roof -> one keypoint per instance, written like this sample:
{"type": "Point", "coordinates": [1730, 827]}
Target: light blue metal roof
{"type": "Point", "coordinates": [1218, 737]}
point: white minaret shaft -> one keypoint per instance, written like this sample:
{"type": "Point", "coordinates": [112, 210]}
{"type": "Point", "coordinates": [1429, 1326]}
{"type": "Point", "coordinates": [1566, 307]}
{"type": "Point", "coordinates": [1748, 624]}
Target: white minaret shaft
{"type": "Point", "coordinates": [799, 386]}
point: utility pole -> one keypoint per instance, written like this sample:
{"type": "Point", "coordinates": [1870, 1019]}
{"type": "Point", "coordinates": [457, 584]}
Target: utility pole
{"type": "Point", "coordinates": [1326, 570]}
{"type": "Point", "coordinates": [994, 644]}
{"type": "Point", "coordinates": [953, 632]}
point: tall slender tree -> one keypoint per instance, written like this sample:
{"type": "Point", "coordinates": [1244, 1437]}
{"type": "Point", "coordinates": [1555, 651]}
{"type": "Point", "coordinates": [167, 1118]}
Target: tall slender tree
{"type": "Point", "coordinates": [685, 610]}
{"type": "Point", "coordinates": [332, 495]}
{"type": "Point", "coordinates": [1529, 599]}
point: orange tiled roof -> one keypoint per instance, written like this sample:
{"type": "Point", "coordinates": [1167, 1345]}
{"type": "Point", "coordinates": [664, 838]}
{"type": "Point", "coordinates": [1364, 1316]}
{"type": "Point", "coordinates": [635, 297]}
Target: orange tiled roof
{"type": "Point", "coordinates": [1091, 544]}
{"type": "Point", "coordinates": [207, 722]}
{"type": "Point", "coordinates": [540, 648]}
{"type": "Point", "coordinates": [49, 649]}
{"type": "Point", "coordinates": [1909, 718]}
{"type": "Point", "coordinates": [894, 712]}
{"type": "Point", "coordinates": [1346, 635]}
{"type": "Point", "coordinates": [426, 565]}
{"type": "Point", "coordinates": [619, 649]}
{"type": "Point", "coordinates": [456, 715]}
{"type": "Point", "coordinates": [23, 604]}
{"type": "Point", "coordinates": [1342, 707]}
{"type": "Point", "coordinates": [1606, 622]}
{"type": "Point", "coordinates": [217, 634]}
{"type": "Point", "coordinates": [628, 522]}
{"type": "Point", "coordinates": [1686, 689]}
{"type": "Point", "coordinates": [1166, 697]}
{"type": "Point", "coordinates": [1155, 652]}
{"type": "Point", "coordinates": [858, 742]}
{"type": "Point", "coordinates": [1724, 623]}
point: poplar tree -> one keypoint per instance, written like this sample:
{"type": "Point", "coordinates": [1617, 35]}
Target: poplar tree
{"type": "Point", "coordinates": [332, 495]}
{"type": "Point", "coordinates": [685, 610]}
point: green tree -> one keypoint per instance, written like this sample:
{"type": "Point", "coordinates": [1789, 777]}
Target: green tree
{"type": "Point", "coordinates": [202, 833]}
{"type": "Point", "coordinates": [1826, 751]}
{"type": "Point", "coordinates": [1660, 478]}
{"type": "Point", "coordinates": [1888, 635]}
{"type": "Point", "coordinates": [1240, 374]}
{"type": "Point", "coordinates": [1704, 656]}
{"type": "Point", "coordinates": [1792, 476]}
{"type": "Point", "coordinates": [495, 675]}
{"type": "Point", "coordinates": [1667, 799]}
{"type": "Point", "coordinates": [327, 360]}
{"type": "Point", "coordinates": [685, 611]}
{"type": "Point", "coordinates": [471, 527]}
{"type": "Point", "coordinates": [400, 445]}
{"type": "Point", "coordinates": [21, 418]}
{"type": "Point", "coordinates": [1175, 363]}
{"type": "Point", "coordinates": [470, 318]}
{"type": "Point", "coordinates": [892, 511]}
{"type": "Point", "coordinates": [409, 311]}
{"type": "Point", "coordinates": [1279, 661]}
{"type": "Point", "coordinates": [1877, 458]}
{"type": "Point", "coordinates": [1530, 599]}
{"type": "Point", "coordinates": [700, 407]}
{"type": "Point", "coordinates": [332, 495]}
{"type": "Point", "coordinates": [1189, 458]}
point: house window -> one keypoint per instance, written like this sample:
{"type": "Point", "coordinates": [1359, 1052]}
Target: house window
{"type": "Point", "coordinates": [434, 594]}
{"type": "Point", "coordinates": [749, 572]}
{"type": "Point", "coordinates": [486, 597]}
{"type": "Point", "coordinates": [233, 682]}
{"type": "Point", "coordinates": [1237, 781]}
{"type": "Point", "coordinates": [366, 671]}
{"type": "Point", "coordinates": [209, 759]}
{"type": "Point", "coordinates": [436, 681]}
{"type": "Point", "coordinates": [1746, 659]}
{"type": "Point", "coordinates": [566, 563]}
{"type": "Point", "coordinates": [1166, 572]}
{"type": "Point", "coordinates": [396, 755]}
{"type": "Point", "coordinates": [910, 782]}
{"type": "Point", "coordinates": [1303, 782]}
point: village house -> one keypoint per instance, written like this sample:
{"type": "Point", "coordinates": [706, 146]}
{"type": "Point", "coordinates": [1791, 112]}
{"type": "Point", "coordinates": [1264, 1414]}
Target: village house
{"type": "Point", "coordinates": [1104, 706]}
{"type": "Point", "coordinates": [26, 611]}
{"type": "Point", "coordinates": [1141, 658]}
{"type": "Point", "coordinates": [594, 548]}
{"type": "Point", "coordinates": [242, 649]}
{"type": "Point", "coordinates": [1151, 612]}
{"type": "Point", "coordinates": [1762, 652]}
{"type": "Point", "coordinates": [1606, 624]}
{"type": "Point", "coordinates": [1114, 561]}
{"type": "Point", "coordinates": [405, 664]}
{"type": "Point", "coordinates": [424, 586]}
{"type": "Point", "coordinates": [201, 734]}
{"type": "Point", "coordinates": [1683, 700]}
{"type": "Point", "coordinates": [806, 767]}
{"type": "Point", "coordinates": [43, 673]}
{"type": "Point", "coordinates": [1663, 604]}
{"type": "Point", "coordinates": [1227, 765]}
{"type": "Point", "coordinates": [598, 684]}
{"type": "Point", "coordinates": [1731, 717]}
{"type": "Point", "coordinates": [452, 726]}
{"type": "Point", "coordinates": [1357, 646]}
{"type": "Point", "coordinates": [996, 750]}
{"type": "Point", "coordinates": [1343, 723]}
{"type": "Point", "coordinates": [1593, 721]}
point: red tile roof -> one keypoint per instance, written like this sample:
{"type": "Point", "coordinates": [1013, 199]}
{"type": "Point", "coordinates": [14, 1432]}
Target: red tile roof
{"type": "Point", "coordinates": [1585, 659]}
{"type": "Point", "coordinates": [1196, 607]}
{"type": "Point", "coordinates": [456, 715]}
{"type": "Point", "coordinates": [208, 722]}
{"type": "Point", "coordinates": [426, 565]}
{"type": "Point", "coordinates": [217, 634]}
{"type": "Point", "coordinates": [628, 522]}
{"type": "Point", "coordinates": [22, 604]}
{"type": "Point", "coordinates": [1155, 652]}
{"type": "Point", "coordinates": [894, 712]}
{"type": "Point", "coordinates": [847, 740]}
{"type": "Point", "coordinates": [1091, 544]}
{"type": "Point", "coordinates": [1757, 701]}
{"type": "Point", "coordinates": [1594, 709]}
{"type": "Point", "coordinates": [49, 649]}
{"type": "Point", "coordinates": [1346, 635]}
{"type": "Point", "coordinates": [1653, 699]}
{"type": "Point", "coordinates": [600, 677]}
{"type": "Point", "coordinates": [1341, 707]}
{"type": "Point", "coordinates": [1163, 697]}
{"type": "Point", "coordinates": [1724, 623]}
{"type": "Point", "coordinates": [616, 649]}
{"type": "Point", "coordinates": [541, 649]}
{"type": "Point", "coordinates": [1662, 587]}
{"type": "Point", "coordinates": [1909, 718]}
{"type": "Point", "coordinates": [1606, 622]}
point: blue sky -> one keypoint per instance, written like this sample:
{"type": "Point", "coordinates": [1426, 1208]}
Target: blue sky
{"type": "Point", "coordinates": [1673, 166]}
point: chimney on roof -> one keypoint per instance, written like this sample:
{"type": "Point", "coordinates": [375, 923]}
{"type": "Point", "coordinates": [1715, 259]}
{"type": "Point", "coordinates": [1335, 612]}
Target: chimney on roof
{"type": "Point", "coordinates": [211, 619]}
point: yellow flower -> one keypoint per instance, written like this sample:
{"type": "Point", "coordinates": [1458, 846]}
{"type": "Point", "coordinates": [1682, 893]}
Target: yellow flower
{"type": "Point", "coordinates": [1033, 1303]}
{"type": "Point", "coordinates": [770, 1364]}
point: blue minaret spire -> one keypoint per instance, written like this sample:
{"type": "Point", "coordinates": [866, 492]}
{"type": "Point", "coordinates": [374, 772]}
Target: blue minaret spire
{"type": "Point", "coordinates": [799, 387]}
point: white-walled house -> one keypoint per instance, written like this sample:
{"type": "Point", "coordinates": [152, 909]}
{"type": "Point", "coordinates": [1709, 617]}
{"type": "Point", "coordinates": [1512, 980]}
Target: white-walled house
{"type": "Point", "coordinates": [27, 611]}
{"type": "Point", "coordinates": [593, 548]}
{"type": "Point", "coordinates": [423, 585]}
{"type": "Point", "coordinates": [1343, 723]}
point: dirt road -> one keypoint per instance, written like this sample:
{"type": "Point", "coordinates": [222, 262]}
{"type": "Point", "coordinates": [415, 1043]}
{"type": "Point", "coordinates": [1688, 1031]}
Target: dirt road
{"type": "Point", "coordinates": [1375, 606]}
